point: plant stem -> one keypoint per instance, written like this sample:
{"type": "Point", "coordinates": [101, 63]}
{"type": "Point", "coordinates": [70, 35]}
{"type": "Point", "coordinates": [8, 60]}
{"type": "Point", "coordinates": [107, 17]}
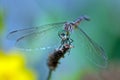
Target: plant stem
{"type": "Point", "coordinates": [49, 74]}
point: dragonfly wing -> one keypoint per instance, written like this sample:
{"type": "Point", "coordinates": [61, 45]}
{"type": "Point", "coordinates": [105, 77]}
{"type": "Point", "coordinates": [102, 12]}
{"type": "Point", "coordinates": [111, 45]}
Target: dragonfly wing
{"type": "Point", "coordinates": [14, 35]}
{"type": "Point", "coordinates": [91, 50]}
{"type": "Point", "coordinates": [38, 37]}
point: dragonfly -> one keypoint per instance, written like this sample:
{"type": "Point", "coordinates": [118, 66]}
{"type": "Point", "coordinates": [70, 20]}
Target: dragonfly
{"type": "Point", "coordinates": [49, 36]}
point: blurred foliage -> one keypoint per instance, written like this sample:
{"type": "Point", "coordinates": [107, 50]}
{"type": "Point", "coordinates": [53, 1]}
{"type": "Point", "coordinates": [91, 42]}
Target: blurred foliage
{"type": "Point", "coordinates": [111, 73]}
{"type": "Point", "coordinates": [1, 21]}
{"type": "Point", "coordinates": [116, 50]}
{"type": "Point", "coordinates": [12, 67]}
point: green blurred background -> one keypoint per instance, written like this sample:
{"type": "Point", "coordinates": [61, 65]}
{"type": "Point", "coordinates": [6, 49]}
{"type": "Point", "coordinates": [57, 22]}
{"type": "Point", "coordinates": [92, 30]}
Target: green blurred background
{"type": "Point", "coordinates": [104, 28]}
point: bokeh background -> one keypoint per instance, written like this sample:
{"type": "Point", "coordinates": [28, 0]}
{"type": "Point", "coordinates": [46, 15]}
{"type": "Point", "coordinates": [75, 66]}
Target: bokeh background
{"type": "Point", "coordinates": [104, 28]}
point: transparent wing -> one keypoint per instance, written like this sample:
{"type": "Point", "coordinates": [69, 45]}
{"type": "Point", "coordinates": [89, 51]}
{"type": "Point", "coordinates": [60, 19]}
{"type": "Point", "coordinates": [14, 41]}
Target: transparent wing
{"type": "Point", "coordinates": [36, 38]}
{"type": "Point", "coordinates": [91, 50]}
{"type": "Point", "coordinates": [14, 35]}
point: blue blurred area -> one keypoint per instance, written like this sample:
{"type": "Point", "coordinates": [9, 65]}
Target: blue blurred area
{"type": "Point", "coordinates": [104, 28]}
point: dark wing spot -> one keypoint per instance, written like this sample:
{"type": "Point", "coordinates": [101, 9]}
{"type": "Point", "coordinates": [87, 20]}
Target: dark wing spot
{"type": "Point", "coordinates": [13, 31]}
{"type": "Point", "coordinates": [20, 38]}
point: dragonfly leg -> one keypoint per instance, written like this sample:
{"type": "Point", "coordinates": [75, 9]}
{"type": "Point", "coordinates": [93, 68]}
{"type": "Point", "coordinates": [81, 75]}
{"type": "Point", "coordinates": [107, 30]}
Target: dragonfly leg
{"type": "Point", "coordinates": [62, 43]}
{"type": "Point", "coordinates": [70, 41]}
